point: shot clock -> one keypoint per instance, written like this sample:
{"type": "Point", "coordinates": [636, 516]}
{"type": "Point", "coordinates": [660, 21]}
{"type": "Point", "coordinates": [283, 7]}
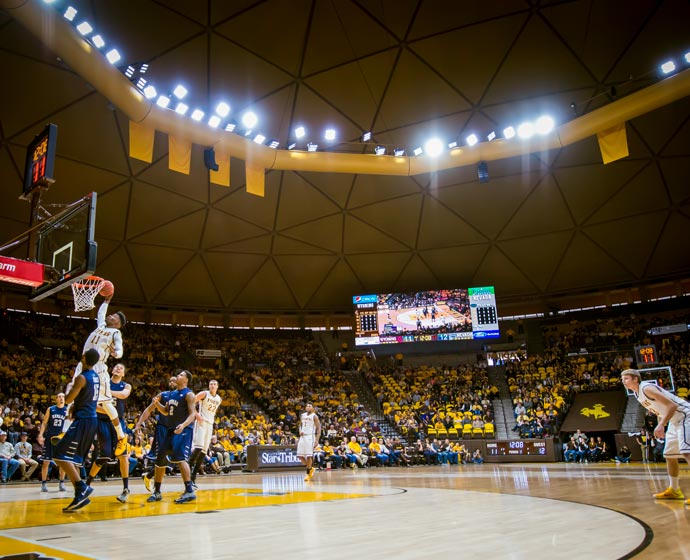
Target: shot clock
{"type": "Point", "coordinates": [40, 161]}
{"type": "Point", "coordinates": [646, 355]}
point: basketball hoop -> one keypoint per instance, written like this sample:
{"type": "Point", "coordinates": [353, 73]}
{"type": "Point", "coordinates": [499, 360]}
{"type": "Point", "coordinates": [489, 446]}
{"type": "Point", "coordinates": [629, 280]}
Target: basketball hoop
{"type": "Point", "coordinates": [85, 291]}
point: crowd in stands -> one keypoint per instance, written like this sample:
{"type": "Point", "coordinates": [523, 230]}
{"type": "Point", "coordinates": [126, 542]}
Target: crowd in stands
{"type": "Point", "coordinates": [266, 377]}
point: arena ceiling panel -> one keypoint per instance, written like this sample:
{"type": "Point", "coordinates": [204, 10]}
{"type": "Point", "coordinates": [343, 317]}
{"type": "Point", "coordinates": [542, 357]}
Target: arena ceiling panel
{"type": "Point", "coordinates": [545, 224]}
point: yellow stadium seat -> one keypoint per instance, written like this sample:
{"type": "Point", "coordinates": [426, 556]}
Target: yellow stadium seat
{"type": "Point", "coordinates": [683, 392]}
{"type": "Point", "coordinates": [489, 430]}
{"type": "Point", "coordinates": [467, 431]}
{"type": "Point", "coordinates": [431, 432]}
{"type": "Point", "coordinates": [477, 432]}
{"type": "Point", "coordinates": [453, 433]}
{"type": "Point", "coordinates": [442, 432]}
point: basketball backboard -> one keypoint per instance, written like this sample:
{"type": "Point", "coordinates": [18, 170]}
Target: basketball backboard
{"type": "Point", "coordinates": [57, 252]}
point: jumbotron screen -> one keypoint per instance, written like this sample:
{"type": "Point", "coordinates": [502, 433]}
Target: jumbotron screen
{"type": "Point", "coordinates": [460, 314]}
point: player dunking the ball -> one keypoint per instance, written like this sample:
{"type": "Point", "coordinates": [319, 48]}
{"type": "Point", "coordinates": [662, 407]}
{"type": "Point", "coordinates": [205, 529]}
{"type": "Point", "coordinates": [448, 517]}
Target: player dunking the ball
{"type": "Point", "coordinates": [670, 409]}
{"type": "Point", "coordinates": [107, 340]}
{"type": "Point", "coordinates": [309, 434]}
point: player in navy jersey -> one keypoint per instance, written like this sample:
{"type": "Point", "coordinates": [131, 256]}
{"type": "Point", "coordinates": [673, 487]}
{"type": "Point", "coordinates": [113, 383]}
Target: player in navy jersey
{"type": "Point", "coordinates": [177, 446]}
{"type": "Point", "coordinates": [74, 446]}
{"type": "Point", "coordinates": [161, 430]}
{"type": "Point", "coordinates": [107, 437]}
{"type": "Point", "coordinates": [53, 420]}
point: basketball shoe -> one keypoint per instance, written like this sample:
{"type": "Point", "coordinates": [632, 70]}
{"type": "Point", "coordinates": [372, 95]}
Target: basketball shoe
{"type": "Point", "coordinates": [310, 474]}
{"type": "Point", "coordinates": [122, 498]}
{"type": "Point", "coordinates": [148, 482]}
{"type": "Point", "coordinates": [155, 497]}
{"type": "Point", "coordinates": [670, 494]}
{"type": "Point", "coordinates": [186, 497]}
{"type": "Point", "coordinates": [80, 500]}
{"type": "Point", "coordinates": [121, 447]}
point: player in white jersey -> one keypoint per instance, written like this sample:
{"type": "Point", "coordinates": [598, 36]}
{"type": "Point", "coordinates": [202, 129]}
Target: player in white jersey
{"type": "Point", "coordinates": [672, 410]}
{"type": "Point", "coordinates": [107, 340]}
{"type": "Point", "coordinates": [309, 435]}
{"type": "Point", "coordinates": [207, 404]}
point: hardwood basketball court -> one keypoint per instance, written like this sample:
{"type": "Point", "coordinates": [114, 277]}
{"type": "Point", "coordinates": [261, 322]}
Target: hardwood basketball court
{"type": "Point", "coordinates": [515, 511]}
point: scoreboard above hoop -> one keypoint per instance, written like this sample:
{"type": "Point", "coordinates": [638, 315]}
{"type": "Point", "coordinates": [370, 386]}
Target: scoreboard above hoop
{"type": "Point", "coordinates": [40, 160]}
{"type": "Point", "coordinates": [646, 355]}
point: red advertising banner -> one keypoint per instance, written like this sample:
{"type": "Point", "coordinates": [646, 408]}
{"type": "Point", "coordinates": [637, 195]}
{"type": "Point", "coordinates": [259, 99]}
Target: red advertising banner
{"type": "Point", "coordinates": [21, 272]}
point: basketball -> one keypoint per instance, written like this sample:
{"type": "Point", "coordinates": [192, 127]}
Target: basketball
{"type": "Point", "coordinates": [108, 289]}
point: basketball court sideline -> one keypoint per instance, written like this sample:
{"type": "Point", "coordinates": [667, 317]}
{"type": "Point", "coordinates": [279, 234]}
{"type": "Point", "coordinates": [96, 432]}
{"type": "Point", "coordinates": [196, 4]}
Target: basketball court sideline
{"type": "Point", "coordinates": [602, 511]}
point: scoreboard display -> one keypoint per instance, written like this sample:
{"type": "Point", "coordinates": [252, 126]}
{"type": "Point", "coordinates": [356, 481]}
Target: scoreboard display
{"type": "Point", "coordinates": [426, 316]}
{"type": "Point", "coordinates": [516, 447]}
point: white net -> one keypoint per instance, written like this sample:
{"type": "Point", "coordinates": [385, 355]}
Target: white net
{"type": "Point", "coordinates": [85, 291]}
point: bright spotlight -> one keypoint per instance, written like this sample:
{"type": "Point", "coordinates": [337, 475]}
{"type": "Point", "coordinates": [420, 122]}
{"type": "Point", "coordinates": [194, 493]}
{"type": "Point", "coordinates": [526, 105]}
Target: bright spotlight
{"type": "Point", "coordinates": [180, 91]}
{"type": "Point", "coordinates": [163, 101]}
{"type": "Point", "coordinates": [525, 130]}
{"type": "Point", "coordinates": [141, 83]}
{"type": "Point", "coordinates": [668, 67]}
{"type": "Point", "coordinates": [249, 119]}
{"type": "Point", "coordinates": [98, 41]}
{"type": "Point", "coordinates": [232, 125]}
{"type": "Point", "coordinates": [491, 135]}
{"type": "Point", "coordinates": [418, 151]}
{"type": "Point", "coordinates": [273, 144]}
{"type": "Point", "coordinates": [433, 147]}
{"type": "Point", "coordinates": [329, 134]}
{"type": "Point", "coordinates": [687, 57]}
{"type": "Point", "coordinates": [472, 139]}
{"type": "Point", "coordinates": [150, 92]}
{"type": "Point", "coordinates": [380, 150]}
{"type": "Point", "coordinates": [84, 28]}
{"type": "Point", "coordinates": [311, 147]}
{"type": "Point", "coordinates": [544, 125]}
{"type": "Point", "coordinates": [398, 152]}
{"type": "Point", "coordinates": [223, 109]}
{"type": "Point", "coordinates": [300, 132]}
{"type": "Point", "coordinates": [292, 145]}
{"type": "Point", "coordinates": [452, 145]}
{"type": "Point", "coordinates": [70, 13]}
{"type": "Point", "coordinates": [181, 109]}
{"type": "Point", "coordinates": [259, 138]}
{"type": "Point", "coordinates": [113, 56]}
{"type": "Point", "coordinates": [214, 121]}
{"type": "Point", "coordinates": [197, 115]}
{"type": "Point", "coordinates": [508, 133]}
{"type": "Point", "coordinates": [366, 137]}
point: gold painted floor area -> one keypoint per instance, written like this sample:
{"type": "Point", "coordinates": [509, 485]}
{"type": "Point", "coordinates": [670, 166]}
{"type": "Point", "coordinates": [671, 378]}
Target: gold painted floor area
{"type": "Point", "coordinates": [30, 513]}
{"type": "Point", "coordinates": [511, 511]}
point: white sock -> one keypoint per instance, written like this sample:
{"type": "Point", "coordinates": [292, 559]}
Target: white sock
{"type": "Point", "coordinates": [674, 482]}
{"type": "Point", "coordinates": [121, 434]}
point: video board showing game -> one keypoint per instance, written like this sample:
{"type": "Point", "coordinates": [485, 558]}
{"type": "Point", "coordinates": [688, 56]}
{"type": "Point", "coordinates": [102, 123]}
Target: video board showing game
{"type": "Point", "coordinates": [432, 315]}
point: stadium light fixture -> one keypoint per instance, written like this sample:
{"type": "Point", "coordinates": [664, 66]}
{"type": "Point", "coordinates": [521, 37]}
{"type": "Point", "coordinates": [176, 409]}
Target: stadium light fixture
{"type": "Point", "coordinates": [113, 56]}
{"type": "Point", "coordinates": [150, 92]}
{"type": "Point", "coordinates": [525, 130]}
{"type": "Point", "coordinates": [380, 150]}
{"type": "Point", "coordinates": [668, 67]}
{"type": "Point", "coordinates": [452, 145]}
{"type": "Point", "coordinates": [418, 151]}
{"type": "Point", "coordinates": [292, 145]}
{"type": "Point", "coordinates": [544, 125]}
{"type": "Point", "coordinates": [686, 56]}
{"type": "Point", "coordinates": [508, 133]}
{"type": "Point", "coordinates": [180, 91]}
{"type": "Point", "coordinates": [163, 101]}
{"type": "Point", "coordinates": [214, 121]}
{"type": "Point", "coordinates": [98, 41]}
{"type": "Point", "coordinates": [259, 138]}
{"type": "Point", "coordinates": [197, 115]}
{"type": "Point", "coordinates": [366, 137]}
{"type": "Point", "coordinates": [141, 83]}
{"type": "Point", "coordinates": [84, 28]}
{"type": "Point", "coordinates": [311, 147]}
{"type": "Point", "coordinates": [230, 126]}
{"type": "Point", "coordinates": [70, 13]}
{"type": "Point", "coordinates": [398, 152]}
{"type": "Point", "coordinates": [433, 147]}
{"type": "Point", "coordinates": [181, 108]}
{"type": "Point", "coordinates": [491, 136]}
{"type": "Point", "coordinates": [472, 139]}
{"type": "Point", "coordinates": [223, 109]}
{"type": "Point", "coordinates": [249, 120]}
{"type": "Point", "coordinates": [300, 132]}
{"type": "Point", "coordinates": [329, 134]}
{"type": "Point", "coordinates": [273, 144]}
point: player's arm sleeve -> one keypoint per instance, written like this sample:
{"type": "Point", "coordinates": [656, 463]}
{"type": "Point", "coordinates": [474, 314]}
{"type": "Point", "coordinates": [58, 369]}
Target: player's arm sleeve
{"type": "Point", "coordinates": [118, 348]}
{"type": "Point", "coordinates": [102, 312]}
